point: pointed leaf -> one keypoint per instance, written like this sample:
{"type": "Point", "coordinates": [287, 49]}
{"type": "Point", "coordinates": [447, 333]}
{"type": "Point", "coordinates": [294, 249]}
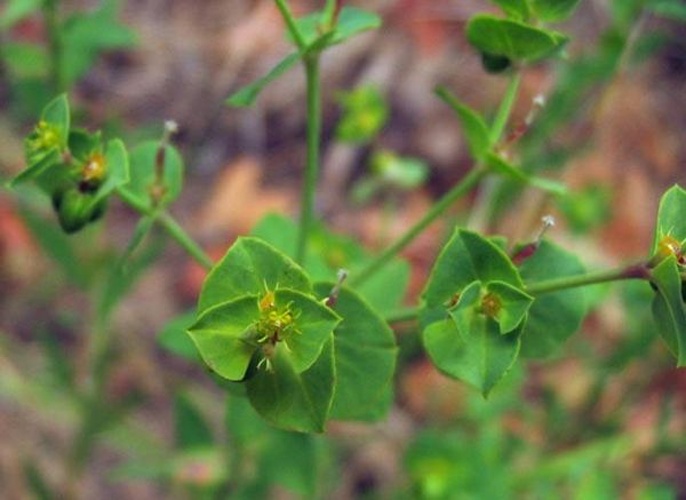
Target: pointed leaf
{"type": "Point", "coordinates": [502, 166]}
{"type": "Point", "coordinates": [314, 324]}
{"type": "Point", "coordinates": [473, 125]}
{"type": "Point", "coordinates": [515, 9]}
{"type": "Point", "coordinates": [668, 307]}
{"type": "Point", "coordinates": [512, 39]}
{"type": "Point", "coordinates": [37, 168]}
{"type": "Point", "coordinates": [117, 162]}
{"type": "Point", "coordinates": [553, 11]}
{"type": "Point", "coordinates": [365, 355]}
{"type": "Point", "coordinates": [351, 21]}
{"type": "Point", "coordinates": [670, 216]}
{"type": "Point", "coordinates": [291, 400]}
{"type": "Point", "coordinates": [55, 116]}
{"type": "Point", "coordinates": [467, 257]}
{"type": "Point", "coordinates": [248, 267]}
{"type": "Point", "coordinates": [478, 355]}
{"type": "Point", "coordinates": [515, 305]}
{"type": "Point", "coordinates": [223, 336]}
{"type": "Point", "coordinates": [246, 96]}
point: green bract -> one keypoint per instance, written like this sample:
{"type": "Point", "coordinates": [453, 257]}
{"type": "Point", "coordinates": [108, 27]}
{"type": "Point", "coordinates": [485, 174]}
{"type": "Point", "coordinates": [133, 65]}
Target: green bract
{"type": "Point", "coordinates": [476, 308]}
{"type": "Point", "coordinates": [75, 168]}
{"type": "Point", "coordinates": [515, 40]}
{"type": "Point", "coordinates": [47, 141]}
{"type": "Point", "coordinates": [260, 321]}
{"type": "Point", "coordinates": [667, 273]}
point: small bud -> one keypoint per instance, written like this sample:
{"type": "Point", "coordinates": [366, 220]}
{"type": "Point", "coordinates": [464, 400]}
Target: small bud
{"type": "Point", "coordinates": [75, 209]}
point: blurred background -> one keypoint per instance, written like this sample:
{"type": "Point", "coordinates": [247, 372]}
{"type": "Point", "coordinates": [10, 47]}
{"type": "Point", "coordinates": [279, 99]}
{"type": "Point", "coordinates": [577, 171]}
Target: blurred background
{"type": "Point", "coordinates": [604, 418]}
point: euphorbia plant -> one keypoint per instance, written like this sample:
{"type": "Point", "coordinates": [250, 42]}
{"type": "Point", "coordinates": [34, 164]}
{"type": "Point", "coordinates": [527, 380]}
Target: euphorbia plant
{"type": "Point", "coordinates": [275, 324]}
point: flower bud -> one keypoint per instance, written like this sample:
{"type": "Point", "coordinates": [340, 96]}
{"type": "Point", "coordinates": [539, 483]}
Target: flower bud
{"type": "Point", "coordinates": [75, 209]}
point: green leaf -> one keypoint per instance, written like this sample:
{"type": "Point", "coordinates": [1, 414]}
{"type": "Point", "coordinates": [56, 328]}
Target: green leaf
{"type": "Point", "coordinates": [117, 163]}
{"type": "Point", "coordinates": [246, 96]}
{"type": "Point", "coordinates": [17, 10]}
{"type": "Point", "coordinates": [469, 346]}
{"type": "Point", "coordinates": [554, 316]}
{"type": "Point", "coordinates": [314, 322]}
{"type": "Point", "coordinates": [174, 337]}
{"type": "Point", "coordinates": [351, 21]}
{"type": "Point", "coordinates": [668, 307]}
{"type": "Point", "coordinates": [467, 257]}
{"type": "Point", "coordinates": [248, 267]}
{"type": "Point", "coordinates": [223, 336]}
{"type": "Point", "coordinates": [512, 39]}
{"type": "Point", "coordinates": [37, 168]}
{"type": "Point", "coordinates": [291, 400]}
{"type": "Point", "coordinates": [142, 159]}
{"type": "Point", "coordinates": [515, 305]}
{"type": "Point", "coordinates": [670, 216]}
{"type": "Point", "coordinates": [191, 430]}
{"type": "Point", "coordinates": [473, 125]}
{"type": "Point", "coordinates": [42, 153]}
{"type": "Point", "coordinates": [502, 166]}
{"type": "Point", "coordinates": [365, 355]}
{"type": "Point", "coordinates": [553, 11]}
{"type": "Point", "coordinates": [515, 9]}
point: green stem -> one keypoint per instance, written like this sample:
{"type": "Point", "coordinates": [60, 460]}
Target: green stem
{"type": "Point", "coordinates": [466, 185]}
{"type": "Point", "coordinates": [505, 109]}
{"type": "Point", "coordinates": [55, 46]}
{"type": "Point", "coordinates": [314, 126]}
{"type": "Point", "coordinates": [172, 227]}
{"type": "Point", "coordinates": [634, 271]}
{"type": "Point", "coordinates": [291, 25]}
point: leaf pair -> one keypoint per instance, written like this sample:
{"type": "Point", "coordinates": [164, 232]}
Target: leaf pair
{"type": "Point", "coordinates": [478, 316]}
{"type": "Point", "coordinates": [519, 37]}
{"type": "Point", "coordinates": [78, 170]}
{"type": "Point", "coordinates": [328, 364]}
{"type": "Point", "coordinates": [315, 37]}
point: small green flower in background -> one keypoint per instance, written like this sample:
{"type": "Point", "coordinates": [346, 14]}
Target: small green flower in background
{"type": "Point", "coordinates": [78, 170]}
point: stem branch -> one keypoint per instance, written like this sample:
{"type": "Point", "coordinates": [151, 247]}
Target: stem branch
{"type": "Point", "coordinates": [633, 271]}
{"type": "Point", "coordinates": [466, 185]}
{"type": "Point", "coordinates": [172, 227]}
{"type": "Point", "coordinates": [291, 25]}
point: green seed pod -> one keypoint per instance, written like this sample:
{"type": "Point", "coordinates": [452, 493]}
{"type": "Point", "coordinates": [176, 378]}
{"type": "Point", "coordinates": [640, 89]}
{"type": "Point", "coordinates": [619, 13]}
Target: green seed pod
{"type": "Point", "coordinates": [494, 63]}
{"type": "Point", "coordinates": [76, 209]}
